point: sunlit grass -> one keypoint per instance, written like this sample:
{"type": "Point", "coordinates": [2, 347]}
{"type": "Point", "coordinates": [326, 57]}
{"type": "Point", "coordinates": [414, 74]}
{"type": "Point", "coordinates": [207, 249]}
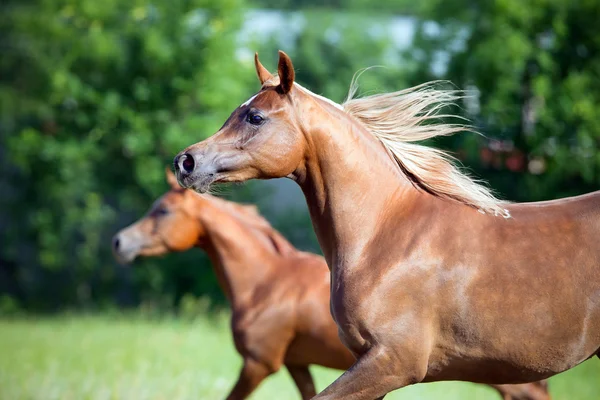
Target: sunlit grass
{"type": "Point", "coordinates": [131, 358]}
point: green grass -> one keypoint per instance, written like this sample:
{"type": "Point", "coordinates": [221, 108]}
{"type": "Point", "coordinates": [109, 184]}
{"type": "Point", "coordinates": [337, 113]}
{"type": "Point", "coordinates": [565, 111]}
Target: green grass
{"type": "Point", "coordinates": [120, 358]}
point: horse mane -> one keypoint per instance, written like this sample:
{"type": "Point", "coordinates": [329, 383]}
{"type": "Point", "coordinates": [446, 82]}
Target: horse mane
{"type": "Point", "coordinates": [249, 214]}
{"type": "Point", "coordinates": [400, 118]}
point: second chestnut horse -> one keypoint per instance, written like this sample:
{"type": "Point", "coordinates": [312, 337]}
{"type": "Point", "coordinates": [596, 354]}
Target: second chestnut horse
{"type": "Point", "coordinates": [279, 295]}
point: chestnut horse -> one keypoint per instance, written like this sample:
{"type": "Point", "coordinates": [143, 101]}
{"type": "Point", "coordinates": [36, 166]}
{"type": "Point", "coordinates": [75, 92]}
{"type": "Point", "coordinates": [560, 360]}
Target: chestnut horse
{"type": "Point", "coordinates": [279, 295]}
{"type": "Point", "coordinates": [432, 277]}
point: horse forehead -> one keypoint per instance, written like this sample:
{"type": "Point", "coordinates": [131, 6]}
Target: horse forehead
{"type": "Point", "coordinates": [250, 100]}
{"type": "Point", "coordinates": [265, 97]}
{"type": "Point", "coordinates": [253, 99]}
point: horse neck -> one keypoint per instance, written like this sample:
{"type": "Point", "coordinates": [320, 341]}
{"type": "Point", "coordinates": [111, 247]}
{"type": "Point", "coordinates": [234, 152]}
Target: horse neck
{"type": "Point", "coordinates": [240, 256]}
{"type": "Point", "coordinates": [351, 186]}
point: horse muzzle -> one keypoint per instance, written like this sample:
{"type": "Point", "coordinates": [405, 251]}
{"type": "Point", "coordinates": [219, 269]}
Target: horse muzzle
{"type": "Point", "coordinates": [194, 172]}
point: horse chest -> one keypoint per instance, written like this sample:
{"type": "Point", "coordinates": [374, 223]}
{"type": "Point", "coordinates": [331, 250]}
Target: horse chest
{"type": "Point", "coordinates": [368, 308]}
{"type": "Point", "coordinates": [259, 327]}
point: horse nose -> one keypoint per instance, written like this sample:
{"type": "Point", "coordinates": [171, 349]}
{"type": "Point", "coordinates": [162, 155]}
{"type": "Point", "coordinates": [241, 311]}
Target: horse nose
{"type": "Point", "coordinates": [184, 163]}
{"type": "Point", "coordinates": [116, 243]}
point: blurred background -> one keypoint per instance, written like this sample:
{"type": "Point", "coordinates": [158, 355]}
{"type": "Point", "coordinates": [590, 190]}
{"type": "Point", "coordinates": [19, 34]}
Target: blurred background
{"type": "Point", "coordinates": [96, 97]}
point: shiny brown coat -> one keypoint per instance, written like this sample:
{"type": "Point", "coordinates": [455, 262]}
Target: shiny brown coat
{"type": "Point", "coordinates": [423, 288]}
{"type": "Point", "coordinates": [279, 295]}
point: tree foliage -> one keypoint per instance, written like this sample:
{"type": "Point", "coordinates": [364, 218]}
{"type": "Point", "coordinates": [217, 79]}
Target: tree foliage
{"type": "Point", "coordinates": [97, 98]}
{"type": "Point", "coordinates": [536, 68]}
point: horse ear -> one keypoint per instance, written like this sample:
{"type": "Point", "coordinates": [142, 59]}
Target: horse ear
{"type": "Point", "coordinates": [285, 69]}
{"type": "Point", "coordinates": [263, 74]}
{"type": "Point", "coordinates": [171, 178]}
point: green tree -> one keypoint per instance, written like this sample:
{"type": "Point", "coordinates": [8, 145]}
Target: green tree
{"type": "Point", "coordinates": [536, 67]}
{"type": "Point", "coordinates": [97, 97]}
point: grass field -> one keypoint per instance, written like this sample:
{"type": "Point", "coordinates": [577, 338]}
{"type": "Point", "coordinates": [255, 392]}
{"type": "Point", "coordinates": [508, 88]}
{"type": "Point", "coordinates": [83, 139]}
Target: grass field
{"type": "Point", "coordinates": [120, 358]}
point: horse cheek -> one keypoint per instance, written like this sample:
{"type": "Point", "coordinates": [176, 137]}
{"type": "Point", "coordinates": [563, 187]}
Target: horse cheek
{"type": "Point", "coordinates": [182, 237]}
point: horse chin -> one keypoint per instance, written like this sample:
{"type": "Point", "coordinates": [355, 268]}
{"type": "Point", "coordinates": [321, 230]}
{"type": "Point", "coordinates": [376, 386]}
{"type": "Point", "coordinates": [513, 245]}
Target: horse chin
{"type": "Point", "coordinates": [127, 258]}
{"type": "Point", "coordinates": [202, 185]}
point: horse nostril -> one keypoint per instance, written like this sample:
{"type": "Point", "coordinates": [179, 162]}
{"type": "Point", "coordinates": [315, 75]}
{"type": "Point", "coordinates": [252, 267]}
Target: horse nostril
{"type": "Point", "coordinates": [116, 243]}
{"type": "Point", "coordinates": [186, 163]}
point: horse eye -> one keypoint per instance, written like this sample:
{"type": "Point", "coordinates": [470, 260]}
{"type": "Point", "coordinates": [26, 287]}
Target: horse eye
{"type": "Point", "coordinates": [255, 119]}
{"type": "Point", "coordinates": [161, 211]}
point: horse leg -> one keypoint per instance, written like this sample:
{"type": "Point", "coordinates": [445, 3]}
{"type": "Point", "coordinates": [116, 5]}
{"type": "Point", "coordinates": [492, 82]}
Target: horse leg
{"type": "Point", "coordinates": [304, 381]}
{"type": "Point", "coordinates": [524, 391]}
{"type": "Point", "coordinates": [502, 392]}
{"type": "Point", "coordinates": [251, 375]}
{"type": "Point", "coordinates": [373, 376]}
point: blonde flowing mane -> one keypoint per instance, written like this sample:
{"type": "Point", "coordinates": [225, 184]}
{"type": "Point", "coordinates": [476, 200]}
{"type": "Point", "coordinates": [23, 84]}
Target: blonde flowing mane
{"type": "Point", "coordinates": [400, 118]}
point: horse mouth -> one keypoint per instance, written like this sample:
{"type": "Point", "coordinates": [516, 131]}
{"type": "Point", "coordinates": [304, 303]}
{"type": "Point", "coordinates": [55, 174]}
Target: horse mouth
{"type": "Point", "coordinates": [200, 184]}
